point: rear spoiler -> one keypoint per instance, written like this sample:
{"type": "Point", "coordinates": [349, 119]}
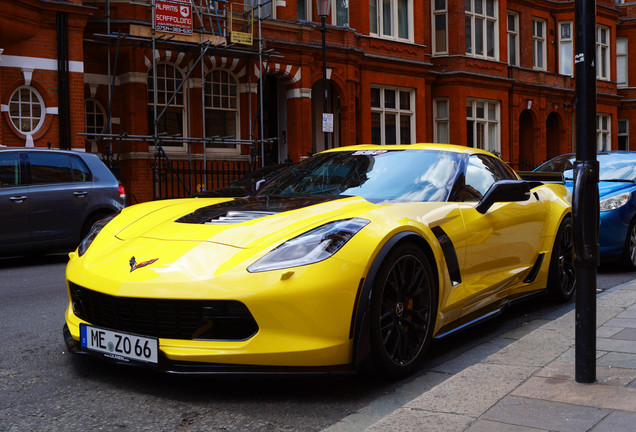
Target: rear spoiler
{"type": "Point", "coordinates": [542, 177]}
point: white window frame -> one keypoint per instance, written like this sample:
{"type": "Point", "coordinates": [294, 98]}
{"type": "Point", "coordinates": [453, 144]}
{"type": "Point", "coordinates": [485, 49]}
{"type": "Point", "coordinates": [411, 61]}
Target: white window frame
{"type": "Point", "coordinates": [439, 11]}
{"type": "Point", "coordinates": [27, 123]}
{"type": "Point", "coordinates": [383, 111]}
{"type": "Point", "coordinates": [334, 13]}
{"type": "Point", "coordinates": [166, 94]}
{"type": "Point", "coordinates": [603, 69]}
{"type": "Point", "coordinates": [394, 19]}
{"type": "Point", "coordinates": [566, 48]}
{"type": "Point", "coordinates": [623, 132]}
{"type": "Point", "coordinates": [539, 60]}
{"type": "Point", "coordinates": [513, 38]}
{"type": "Point", "coordinates": [93, 110]}
{"type": "Point", "coordinates": [603, 132]}
{"type": "Point", "coordinates": [476, 17]}
{"type": "Point", "coordinates": [441, 118]}
{"type": "Point", "coordinates": [622, 62]}
{"type": "Point", "coordinates": [483, 116]}
{"type": "Point", "coordinates": [308, 10]}
{"type": "Point", "coordinates": [227, 100]}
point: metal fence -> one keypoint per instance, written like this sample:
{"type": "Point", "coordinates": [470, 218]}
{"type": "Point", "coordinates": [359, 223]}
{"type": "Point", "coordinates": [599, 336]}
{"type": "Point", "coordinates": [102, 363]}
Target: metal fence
{"type": "Point", "coordinates": [182, 178]}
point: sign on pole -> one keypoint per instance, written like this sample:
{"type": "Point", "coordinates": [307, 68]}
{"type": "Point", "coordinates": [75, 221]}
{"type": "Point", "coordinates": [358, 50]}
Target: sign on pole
{"type": "Point", "coordinates": [173, 16]}
{"type": "Point", "coordinates": [327, 122]}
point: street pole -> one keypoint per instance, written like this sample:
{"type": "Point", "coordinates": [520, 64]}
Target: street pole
{"type": "Point", "coordinates": [585, 205]}
{"type": "Point", "coordinates": [324, 74]}
{"type": "Point", "coordinates": [322, 7]}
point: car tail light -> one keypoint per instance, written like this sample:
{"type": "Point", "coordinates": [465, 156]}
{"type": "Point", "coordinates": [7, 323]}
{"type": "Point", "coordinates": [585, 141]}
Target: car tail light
{"type": "Point", "coordinates": [122, 192]}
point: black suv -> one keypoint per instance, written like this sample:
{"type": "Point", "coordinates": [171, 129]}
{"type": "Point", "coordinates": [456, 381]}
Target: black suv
{"type": "Point", "coordinates": [49, 199]}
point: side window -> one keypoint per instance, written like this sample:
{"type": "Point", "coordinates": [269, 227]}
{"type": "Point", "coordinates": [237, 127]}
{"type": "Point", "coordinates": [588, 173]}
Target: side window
{"type": "Point", "coordinates": [481, 173]}
{"type": "Point", "coordinates": [9, 169]}
{"type": "Point", "coordinates": [81, 173]}
{"type": "Point", "coordinates": [50, 168]}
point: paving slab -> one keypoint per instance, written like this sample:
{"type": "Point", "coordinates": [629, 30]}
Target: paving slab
{"type": "Point", "coordinates": [617, 421]}
{"type": "Point", "coordinates": [621, 346]}
{"type": "Point", "coordinates": [621, 360]}
{"type": "Point", "coordinates": [586, 395]}
{"type": "Point", "coordinates": [492, 426]}
{"type": "Point", "coordinates": [624, 297]}
{"type": "Point", "coordinates": [411, 420]}
{"type": "Point", "coordinates": [540, 414]}
{"type": "Point", "coordinates": [604, 375]}
{"type": "Point", "coordinates": [478, 388]}
{"type": "Point", "coordinates": [625, 334]}
{"type": "Point", "coordinates": [622, 322]}
{"type": "Point", "coordinates": [538, 348]}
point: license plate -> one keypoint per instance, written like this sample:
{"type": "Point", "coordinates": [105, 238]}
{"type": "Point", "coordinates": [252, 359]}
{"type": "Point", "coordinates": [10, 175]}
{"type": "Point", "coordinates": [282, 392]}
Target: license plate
{"type": "Point", "coordinates": [118, 345]}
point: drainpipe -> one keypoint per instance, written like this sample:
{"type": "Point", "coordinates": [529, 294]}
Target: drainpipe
{"type": "Point", "coordinates": [63, 90]}
{"type": "Point", "coordinates": [555, 42]}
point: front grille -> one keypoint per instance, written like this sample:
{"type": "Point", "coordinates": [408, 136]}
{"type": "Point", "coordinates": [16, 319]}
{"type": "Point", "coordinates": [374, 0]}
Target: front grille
{"type": "Point", "coordinates": [165, 318]}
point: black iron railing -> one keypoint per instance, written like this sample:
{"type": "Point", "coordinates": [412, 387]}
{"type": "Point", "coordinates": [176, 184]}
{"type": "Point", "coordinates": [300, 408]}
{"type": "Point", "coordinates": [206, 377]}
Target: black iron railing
{"type": "Point", "coordinates": [182, 178]}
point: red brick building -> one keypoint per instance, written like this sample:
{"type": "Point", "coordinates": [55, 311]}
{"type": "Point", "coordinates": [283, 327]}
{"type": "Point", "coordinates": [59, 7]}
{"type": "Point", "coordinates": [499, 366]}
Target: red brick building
{"type": "Point", "coordinates": [496, 74]}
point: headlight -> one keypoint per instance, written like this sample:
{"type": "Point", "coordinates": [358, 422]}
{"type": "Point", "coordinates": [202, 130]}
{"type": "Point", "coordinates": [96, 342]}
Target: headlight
{"type": "Point", "coordinates": [311, 247]}
{"type": "Point", "coordinates": [614, 202]}
{"type": "Point", "coordinates": [95, 229]}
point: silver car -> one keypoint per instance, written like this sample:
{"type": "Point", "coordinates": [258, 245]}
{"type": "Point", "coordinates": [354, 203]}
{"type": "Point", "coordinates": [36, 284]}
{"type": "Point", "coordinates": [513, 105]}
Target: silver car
{"type": "Point", "coordinates": [49, 199]}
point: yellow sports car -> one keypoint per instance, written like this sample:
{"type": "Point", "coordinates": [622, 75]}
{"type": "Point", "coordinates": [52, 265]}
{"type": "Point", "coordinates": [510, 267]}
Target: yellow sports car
{"type": "Point", "coordinates": [354, 258]}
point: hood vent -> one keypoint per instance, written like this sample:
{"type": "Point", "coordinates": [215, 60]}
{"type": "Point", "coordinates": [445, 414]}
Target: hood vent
{"type": "Point", "coordinates": [234, 217]}
{"type": "Point", "coordinates": [246, 209]}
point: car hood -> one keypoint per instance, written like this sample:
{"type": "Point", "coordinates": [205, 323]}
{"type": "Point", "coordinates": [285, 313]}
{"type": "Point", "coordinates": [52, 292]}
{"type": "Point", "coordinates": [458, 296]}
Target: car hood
{"type": "Point", "coordinates": [241, 222]}
{"type": "Point", "coordinates": [607, 189]}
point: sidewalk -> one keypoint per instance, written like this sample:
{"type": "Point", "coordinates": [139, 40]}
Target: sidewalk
{"type": "Point", "coordinates": [529, 385]}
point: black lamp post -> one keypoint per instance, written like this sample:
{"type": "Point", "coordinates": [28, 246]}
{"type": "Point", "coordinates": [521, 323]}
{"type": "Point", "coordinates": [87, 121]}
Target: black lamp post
{"type": "Point", "coordinates": [322, 7]}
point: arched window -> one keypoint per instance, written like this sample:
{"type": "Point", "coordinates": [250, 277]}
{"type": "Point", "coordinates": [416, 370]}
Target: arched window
{"type": "Point", "coordinates": [170, 93]}
{"type": "Point", "coordinates": [221, 104]}
{"type": "Point", "coordinates": [26, 110]}
{"type": "Point", "coordinates": [94, 118]}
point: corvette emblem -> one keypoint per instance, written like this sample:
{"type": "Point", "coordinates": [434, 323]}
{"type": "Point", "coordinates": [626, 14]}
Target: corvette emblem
{"type": "Point", "coordinates": [135, 266]}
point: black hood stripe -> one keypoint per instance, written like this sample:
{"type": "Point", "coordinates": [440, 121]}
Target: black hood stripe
{"type": "Point", "coordinates": [258, 206]}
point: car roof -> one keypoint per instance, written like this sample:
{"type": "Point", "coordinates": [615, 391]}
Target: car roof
{"type": "Point", "coordinates": [419, 146]}
{"type": "Point", "coordinates": [41, 149]}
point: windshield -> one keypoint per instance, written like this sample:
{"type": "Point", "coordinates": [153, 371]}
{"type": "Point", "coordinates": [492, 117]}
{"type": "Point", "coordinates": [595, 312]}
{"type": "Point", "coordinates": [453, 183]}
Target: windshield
{"type": "Point", "coordinates": [404, 175]}
{"type": "Point", "coordinates": [612, 167]}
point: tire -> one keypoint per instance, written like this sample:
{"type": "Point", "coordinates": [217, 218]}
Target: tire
{"type": "Point", "coordinates": [628, 258]}
{"type": "Point", "coordinates": [561, 275]}
{"type": "Point", "coordinates": [403, 310]}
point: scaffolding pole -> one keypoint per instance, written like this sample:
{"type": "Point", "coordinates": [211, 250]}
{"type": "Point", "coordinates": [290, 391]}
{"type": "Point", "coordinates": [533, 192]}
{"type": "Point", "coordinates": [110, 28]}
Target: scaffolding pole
{"type": "Point", "coordinates": [208, 15]}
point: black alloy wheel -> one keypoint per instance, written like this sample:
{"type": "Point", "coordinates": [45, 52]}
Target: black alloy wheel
{"type": "Point", "coordinates": [403, 310]}
{"type": "Point", "coordinates": [561, 275]}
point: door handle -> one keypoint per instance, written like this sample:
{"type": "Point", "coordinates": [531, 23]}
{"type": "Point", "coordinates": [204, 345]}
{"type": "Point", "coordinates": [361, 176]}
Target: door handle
{"type": "Point", "coordinates": [80, 194]}
{"type": "Point", "coordinates": [18, 199]}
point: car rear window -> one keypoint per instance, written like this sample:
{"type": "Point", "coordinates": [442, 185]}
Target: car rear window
{"type": "Point", "coordinates": [81, 172]}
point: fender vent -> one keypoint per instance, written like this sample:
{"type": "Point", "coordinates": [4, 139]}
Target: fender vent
{"type": "Point", "coordinates": [450, 256]}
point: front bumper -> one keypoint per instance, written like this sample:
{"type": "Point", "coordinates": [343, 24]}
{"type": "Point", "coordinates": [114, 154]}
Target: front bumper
{"type": "Point", "coordinates": [166, 365]}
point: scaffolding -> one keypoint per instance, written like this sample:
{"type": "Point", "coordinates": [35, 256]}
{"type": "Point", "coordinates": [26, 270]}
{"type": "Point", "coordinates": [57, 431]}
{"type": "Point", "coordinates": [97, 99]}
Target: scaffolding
{"type": "Point", "coordinates": [213, 23]}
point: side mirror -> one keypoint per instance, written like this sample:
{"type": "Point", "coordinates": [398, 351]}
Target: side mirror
{"type": "Point", "coordinates": [504, 191]}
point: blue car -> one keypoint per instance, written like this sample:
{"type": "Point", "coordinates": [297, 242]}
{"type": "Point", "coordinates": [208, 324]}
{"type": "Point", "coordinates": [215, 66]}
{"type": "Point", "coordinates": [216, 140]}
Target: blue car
{"type": "Point", "coordinates": [616, 188]}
